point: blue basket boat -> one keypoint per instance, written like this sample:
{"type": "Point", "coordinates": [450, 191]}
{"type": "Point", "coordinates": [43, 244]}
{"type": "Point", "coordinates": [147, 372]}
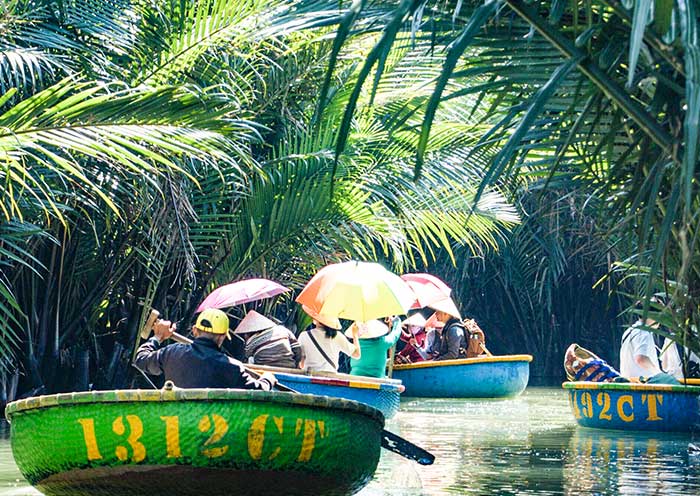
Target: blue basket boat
{"type": "Point", "coordinates": [382, 394]}
{"type": "Point", "coordinates": [481, 377]}
{"type": "Point", "coordinates": [635, 407]}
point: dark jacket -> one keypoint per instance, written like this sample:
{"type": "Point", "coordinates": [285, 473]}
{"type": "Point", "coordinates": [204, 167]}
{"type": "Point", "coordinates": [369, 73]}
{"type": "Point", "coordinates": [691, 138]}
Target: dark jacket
{"type": "Point", "coordinates": [199, 365]}
{"type": "Point", "coordinates": [452, 341]}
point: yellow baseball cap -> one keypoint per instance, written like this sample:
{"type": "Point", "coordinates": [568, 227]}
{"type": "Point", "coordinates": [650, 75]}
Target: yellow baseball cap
{"type": "Point", "coordinates": [213, 320]}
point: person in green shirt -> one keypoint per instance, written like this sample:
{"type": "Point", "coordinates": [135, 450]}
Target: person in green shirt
{"type": "Point", "coordinates": [376, 341]}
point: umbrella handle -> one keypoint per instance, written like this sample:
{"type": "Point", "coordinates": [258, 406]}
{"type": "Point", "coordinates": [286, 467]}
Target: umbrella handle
{"type": "Point", "coordinates": [390, 364]}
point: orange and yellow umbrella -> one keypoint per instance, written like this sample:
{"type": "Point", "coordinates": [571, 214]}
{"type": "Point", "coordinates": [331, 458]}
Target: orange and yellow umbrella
{"type": "Point", "coordinates": [359, 291]}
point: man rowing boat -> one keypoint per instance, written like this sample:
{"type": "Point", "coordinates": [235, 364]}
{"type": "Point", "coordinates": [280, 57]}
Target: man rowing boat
{"type": "Point", "coordinates": [201, 364]}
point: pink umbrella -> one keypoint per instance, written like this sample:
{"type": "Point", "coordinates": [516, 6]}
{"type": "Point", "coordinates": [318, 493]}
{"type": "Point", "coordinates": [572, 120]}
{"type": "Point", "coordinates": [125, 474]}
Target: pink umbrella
{"type": "Point", "coordinates": [240, 292]}
{"type": "Point", "coordinates": [427, 287]}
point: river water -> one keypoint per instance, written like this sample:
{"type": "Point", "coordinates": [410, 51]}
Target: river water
{"type": "Point", "coordinates": [527, 445]}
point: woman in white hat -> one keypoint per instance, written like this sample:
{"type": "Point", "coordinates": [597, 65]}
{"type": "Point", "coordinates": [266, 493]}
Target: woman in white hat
{"type": "Point", "coordinates": [376, 341]}
{"type": "Point", "coordinates": [413, 334]}
{"type": "Point", "coordinates": [323, 344]}
{"type": "Point", "coordinates": [452, 340]}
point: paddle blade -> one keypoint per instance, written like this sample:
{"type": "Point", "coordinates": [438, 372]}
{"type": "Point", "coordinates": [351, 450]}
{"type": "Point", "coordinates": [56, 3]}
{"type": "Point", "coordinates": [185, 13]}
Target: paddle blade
{"type": "Point", "coordinates": [405, 448]}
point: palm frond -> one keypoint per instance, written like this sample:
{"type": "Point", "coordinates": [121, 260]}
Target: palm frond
{"type": "Point", "coordinates": [130, 130]}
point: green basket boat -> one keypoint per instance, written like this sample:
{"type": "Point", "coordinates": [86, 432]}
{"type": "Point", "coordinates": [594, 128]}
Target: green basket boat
{"type": "Point", "coordinates": [194, 441]}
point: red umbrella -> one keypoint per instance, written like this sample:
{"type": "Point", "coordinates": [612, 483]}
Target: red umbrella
{"type": "Point", "coordinates": [427, 287]}
{"type": "Point", "coordinates": [241, 292]}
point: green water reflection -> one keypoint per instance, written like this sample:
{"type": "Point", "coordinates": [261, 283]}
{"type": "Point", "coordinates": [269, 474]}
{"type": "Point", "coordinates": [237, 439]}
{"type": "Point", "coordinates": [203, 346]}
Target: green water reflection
{"type": "Point", "coordinates": [528, 445]}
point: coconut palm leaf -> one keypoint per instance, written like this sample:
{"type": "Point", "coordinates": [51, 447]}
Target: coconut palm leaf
{"type": "Point", "coordinates": [223, 176]}
{"type": "Point", "coordinates": [198, 26]}
{"type": "Point", "coordinates": [33, 48]}
{"type": "Point", "coordinates": [123, 128]}
{"type": "Point", "coordinates": [14, 251]}
{"type": "Point", "coordinates": [456, 50]}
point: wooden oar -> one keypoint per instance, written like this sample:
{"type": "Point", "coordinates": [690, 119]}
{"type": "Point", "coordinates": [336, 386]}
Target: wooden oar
{"type": "Point", "coordinates": [390, 441]}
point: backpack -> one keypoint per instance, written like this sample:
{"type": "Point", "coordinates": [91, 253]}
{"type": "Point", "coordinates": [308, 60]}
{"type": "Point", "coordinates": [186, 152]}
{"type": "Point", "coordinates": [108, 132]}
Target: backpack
{"type": "Point", "coordinates": [476, 339]}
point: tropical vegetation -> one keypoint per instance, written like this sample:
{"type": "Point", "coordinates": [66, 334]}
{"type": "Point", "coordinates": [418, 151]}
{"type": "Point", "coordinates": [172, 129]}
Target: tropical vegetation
{"type": "Point", "coordinates": [152, 151]}
{"type": "Point", "coordinates": [155, 152]}
{"type": "Point", "coordinates": [597, 103]}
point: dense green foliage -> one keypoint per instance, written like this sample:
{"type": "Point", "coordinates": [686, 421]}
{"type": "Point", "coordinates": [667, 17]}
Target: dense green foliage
{"type": "Point", "coordinates": [598, 101]}
{"type": "Point", "coordinates": [154, 151]}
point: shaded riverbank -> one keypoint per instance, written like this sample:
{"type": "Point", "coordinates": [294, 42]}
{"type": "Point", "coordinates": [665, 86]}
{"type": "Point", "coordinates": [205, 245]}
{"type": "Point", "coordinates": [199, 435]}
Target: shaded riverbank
{"type": "Point", "coordinates": [527, 445]}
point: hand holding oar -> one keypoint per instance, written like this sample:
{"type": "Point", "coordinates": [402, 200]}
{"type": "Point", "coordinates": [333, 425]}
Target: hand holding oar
{"type": "Point", "coordinates": [152, 320]}
{"type": "Point", "coordinates": [167, 331]}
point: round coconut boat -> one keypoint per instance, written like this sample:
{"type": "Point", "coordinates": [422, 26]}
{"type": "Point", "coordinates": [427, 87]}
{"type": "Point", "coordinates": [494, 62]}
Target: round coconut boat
{"type": "Point", "coordinates": [193, 442]}
{"type": "Point", "coordinates": [635, 407]}
{"type": "Point", "coordinates": [481, 377]}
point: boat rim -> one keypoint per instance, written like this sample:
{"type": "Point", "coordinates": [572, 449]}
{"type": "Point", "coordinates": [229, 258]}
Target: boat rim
{"type": "Point", "coordinates": [331, 375]}
{"type": "Point", "coordinates": [464, 361]}
{"type": "Point", "coordinates": [335, 379]}
{"type": "Point", "coordinates": [630, 386]}
{"type": "Point", "coordinates": [197, 395]}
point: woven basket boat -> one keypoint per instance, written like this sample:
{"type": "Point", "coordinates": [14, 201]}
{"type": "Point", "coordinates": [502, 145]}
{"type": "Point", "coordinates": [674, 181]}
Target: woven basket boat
{"type": "Point", "coordinates": [481, 377]}
{"type": "Point", "coordinates": [635, 407]}
{"type": "Point", "coordinates": [382, 394]}
{"type": "Point", "coordinates": [194, 442]}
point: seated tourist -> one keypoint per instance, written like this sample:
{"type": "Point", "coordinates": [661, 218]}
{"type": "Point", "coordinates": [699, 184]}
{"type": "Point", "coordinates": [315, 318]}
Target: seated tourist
{"type": "Point", "coordinates": [376, 340]}
{"type": "Point", "coordinates": [323, 344]}
{"type": "Point", "coordinates": [268, 343]}
{"type": "Point", "coordinates": [413, 334]}
{"type": "Point", "coordinates": [638, 353]}
{"type": "Point", "coordinates": [451, 340]}
{"type": "Point", "coordinates": [679, 361]}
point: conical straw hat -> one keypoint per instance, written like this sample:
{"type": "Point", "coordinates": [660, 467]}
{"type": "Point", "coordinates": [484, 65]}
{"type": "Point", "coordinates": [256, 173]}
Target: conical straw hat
{"type": "Point", "coordinates": [253, 322]}
{"type": "Point", "coordinates": [369, 329]}
{"type": "Point", "coordinates": [415, 320]}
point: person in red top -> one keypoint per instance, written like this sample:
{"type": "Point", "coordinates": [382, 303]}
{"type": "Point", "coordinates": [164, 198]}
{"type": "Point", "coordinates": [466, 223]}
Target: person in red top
{"type": "Point", "coordinates": [413, 333]}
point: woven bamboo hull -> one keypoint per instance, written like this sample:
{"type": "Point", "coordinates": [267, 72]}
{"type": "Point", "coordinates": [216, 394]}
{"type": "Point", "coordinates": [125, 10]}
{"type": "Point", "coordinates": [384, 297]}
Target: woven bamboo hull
{"type": "Point", "coordinates": [635, 407]}
{"type": "Point", "coordinates": [482, 377]}
{"type": "Point", "coordinates": [182, 442]}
